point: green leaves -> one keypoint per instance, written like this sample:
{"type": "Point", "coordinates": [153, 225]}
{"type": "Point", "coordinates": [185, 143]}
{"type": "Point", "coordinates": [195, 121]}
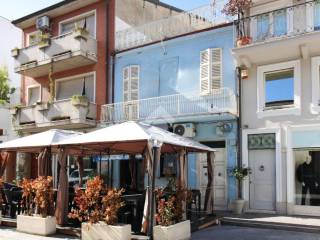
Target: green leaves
{"type": "Point", "coordinates": [240, 173]}
{"type": "Point", "coordinates": [5, 89]}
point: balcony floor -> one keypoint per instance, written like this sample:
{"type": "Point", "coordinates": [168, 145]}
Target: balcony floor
{"type": "Point", "coordinates": [60, 63]}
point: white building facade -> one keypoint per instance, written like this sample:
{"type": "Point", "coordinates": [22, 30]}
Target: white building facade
{"type": "Point", "coordinates": [12, 37]}
{"type": "Point", "coordinates": [280, 107]}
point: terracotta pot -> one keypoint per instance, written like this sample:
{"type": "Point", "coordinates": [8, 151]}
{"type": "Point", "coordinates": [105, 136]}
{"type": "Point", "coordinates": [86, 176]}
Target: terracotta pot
{"type": "Point", "coordinates": [244, 41]}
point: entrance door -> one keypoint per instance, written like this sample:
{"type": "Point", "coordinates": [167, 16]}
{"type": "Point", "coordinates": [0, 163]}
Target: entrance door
{"type": "Point", "coordinates": [262, 179]}
{"type": "Point", "coordinates": [219, 178]}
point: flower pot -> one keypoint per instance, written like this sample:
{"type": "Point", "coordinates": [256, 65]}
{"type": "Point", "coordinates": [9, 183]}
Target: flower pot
{"type": "Point", "coordinates": [13, 111]}
{"type": "Point", "coordinates": [44, 43]}
{"type": "Point", "coordinates": [80, 101]}
{"type": "Point", "coordinates": [237, 206]}
{"type": "Point", "coordinates": [80, 33]}
{"type": "Point", "coordinates": [101, 230]}
{"type": "Point", "coordinates": [179, 231]}
{"type": "Point", "coordinates": [243, 41]}
{"type": "Point", "coordinates": [15, 52]}
{"type": "Point", "coordinates": [36, 225]}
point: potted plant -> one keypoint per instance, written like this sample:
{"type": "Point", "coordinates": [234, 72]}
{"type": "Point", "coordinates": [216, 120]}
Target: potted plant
{"type": "Point", "coordinates": [38, 205]}
{"type": "Point", "coordinates": [238, 8]}
{"type": "Point", "coordinates": [97, 209]}
{"type": "Point", "coordinates": [80, 31]}
{"type": "Point", "coordinates": [15, 52]}
{"type": "Point", "coordinates": [169, 214]}
{"type": "Point", "coordinates": [239, 173]}
{"type": "Point", "coordinates": [44, 40]}
{"type": "Point", "coordinates": [79, 100]}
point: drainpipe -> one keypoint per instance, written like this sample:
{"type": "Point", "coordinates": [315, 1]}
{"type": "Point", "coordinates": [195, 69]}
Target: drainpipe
{"type": "Point", "coordinates": [239, 95]}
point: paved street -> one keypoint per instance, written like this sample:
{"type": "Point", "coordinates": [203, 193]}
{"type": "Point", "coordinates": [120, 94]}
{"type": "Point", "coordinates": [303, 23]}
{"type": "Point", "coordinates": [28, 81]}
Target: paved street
{"type": "Point", "coordinates": [11, 234]}
{"type": "Point", "coordinates": [242, 233]}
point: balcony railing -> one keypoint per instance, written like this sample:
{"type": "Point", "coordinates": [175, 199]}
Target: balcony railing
{"type": "Point", "coordinates": [46, 115]}
{"type": "Point", "coordinates": [173, 106]}
{"type": "Point", "coordinates": [179, 24]}
{"type": "Point", "coordinates": [64, 52]}
{"type": "Point", "coordinates": [281, 23]}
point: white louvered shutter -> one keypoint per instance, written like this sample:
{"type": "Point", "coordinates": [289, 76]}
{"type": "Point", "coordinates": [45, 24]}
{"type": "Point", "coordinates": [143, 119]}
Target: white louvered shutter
{"type": "Point", "coordinates": [134, 82]}
{"type": "Point", "coordinates": [216, 68]}
{"type": "Point", "coordinates": [126, 83]}
{"type": "Point", "coordinates": [204, 72]}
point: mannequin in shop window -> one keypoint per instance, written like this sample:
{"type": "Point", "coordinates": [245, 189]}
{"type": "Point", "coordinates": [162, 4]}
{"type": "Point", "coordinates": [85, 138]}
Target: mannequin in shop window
{"type": "Point", "coordinates": [307, 178]}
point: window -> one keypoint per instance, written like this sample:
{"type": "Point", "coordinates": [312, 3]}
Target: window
{"type": "Point", "coordinates": [33, 38]}
{"type": "Point", "coordinates": [279, 23]}
{"type": "Point", "coordinates": [315, 105]}
{"type": "Point", "coordinates": [33, 94]}
{"type": "Point", "coordinates": [81, 85]}
{"type": "Point", "coordinates": [262, 26]}
{"type": "Point", "coordinates": [316, 16]}
{"type": "Point", "coordinates": [278, 87]}
{"type": "Point", "coordinates": [210, 70]}
{"type": "Point", "coordinates": [130, 77]}
{"type": "Point", "coordinates": [86, 21]}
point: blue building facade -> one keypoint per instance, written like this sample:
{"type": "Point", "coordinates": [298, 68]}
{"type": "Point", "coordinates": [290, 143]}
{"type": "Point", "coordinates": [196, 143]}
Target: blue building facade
{"type": "Point", "coordinates": [187, 82]}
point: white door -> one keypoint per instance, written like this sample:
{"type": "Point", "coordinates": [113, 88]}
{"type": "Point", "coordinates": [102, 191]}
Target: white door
{"type": "Point", "coordinates": [219, 178]}
{"type": "Point", "coordinates": [262, 179]}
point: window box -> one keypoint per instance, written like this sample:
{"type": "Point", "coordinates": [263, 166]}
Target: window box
{"type": "Point", "coordinates": [279, 89]}
{"type": "Point", "coordinates": [80, 33]}
{"type": "Point", "coordinates": [78, 100]}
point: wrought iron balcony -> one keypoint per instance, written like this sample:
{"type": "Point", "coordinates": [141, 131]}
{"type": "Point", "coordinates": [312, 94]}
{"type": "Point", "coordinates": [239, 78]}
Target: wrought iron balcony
{"type": "Point", "coordinates": [64, 113]}
{"type": "Point", "coordinates": [176, 25]}
{"type": "Point", "coordinates": [173, 106]}
{"type": "Point", "coordinates": [62, 53]}
{"type": "Point", "coordinates": [284, 23]}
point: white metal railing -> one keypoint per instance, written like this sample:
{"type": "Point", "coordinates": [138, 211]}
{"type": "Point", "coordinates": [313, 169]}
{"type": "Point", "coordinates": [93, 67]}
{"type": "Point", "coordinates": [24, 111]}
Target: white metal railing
{"type": "Point", "coordinates": [281, 23]}
{"type": "Point", "coordinates": [179, 105]}
{"type": "Point", "coordinates": [179, 24]}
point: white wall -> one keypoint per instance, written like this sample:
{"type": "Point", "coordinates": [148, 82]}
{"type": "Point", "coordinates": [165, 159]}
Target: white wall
{"type": "Point", "coordinates": [11, 37]}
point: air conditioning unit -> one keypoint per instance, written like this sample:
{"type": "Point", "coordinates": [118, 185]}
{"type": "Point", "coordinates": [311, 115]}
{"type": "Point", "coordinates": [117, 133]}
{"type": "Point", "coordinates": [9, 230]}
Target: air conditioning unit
{"type": "Point", "coordinates": [185, 129]}
{"type": "Point", "coordinates": [43, 23]}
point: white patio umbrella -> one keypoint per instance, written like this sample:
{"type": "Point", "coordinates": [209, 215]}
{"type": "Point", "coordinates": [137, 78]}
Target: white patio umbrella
{"type": "Point", "coordinates": [135, 138]}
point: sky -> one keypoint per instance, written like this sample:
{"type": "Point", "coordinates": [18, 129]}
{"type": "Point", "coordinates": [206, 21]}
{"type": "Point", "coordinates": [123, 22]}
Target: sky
{"type": "Point", "coordinates": [13, 9]}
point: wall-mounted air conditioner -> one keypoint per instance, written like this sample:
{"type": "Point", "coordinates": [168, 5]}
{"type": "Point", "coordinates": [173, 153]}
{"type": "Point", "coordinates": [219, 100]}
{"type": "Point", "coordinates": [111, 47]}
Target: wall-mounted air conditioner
{"type": "Point", "coordinates": [43, 23]}
{"type": "Point", "coordinates": [185, 129]}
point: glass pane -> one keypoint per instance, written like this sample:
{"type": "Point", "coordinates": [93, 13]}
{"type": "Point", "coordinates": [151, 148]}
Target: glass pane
{"type": "Point", "coordinates": [317, 15]}
{"type": "Point", "coordinates": [262, 26]}
{"type": "Point", "coordinates": [88, 21]}
{"type": "Point", "coordinates": [33, 95]}
{"type": "Point", "coordinates": [279, 87]}
{"type": "Point", "coordinates": [307, 177]}
{"type": "Point", "coordinates": [261, 141]}
{"type": "Point", "coordinates": [67, 27]}
{"type": "Point", "coordinates": [280, 22]}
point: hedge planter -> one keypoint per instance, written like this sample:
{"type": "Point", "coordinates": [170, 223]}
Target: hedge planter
{"type": "Point", "coordinates": [36, 225]}
{"type": "Point", "coordinates": [179, 231]}
{"type": "Point", "coordinates": [101, 230]}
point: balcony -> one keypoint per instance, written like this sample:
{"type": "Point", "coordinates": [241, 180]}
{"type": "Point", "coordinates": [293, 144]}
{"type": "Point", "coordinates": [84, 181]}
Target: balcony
{"type": "Point", "coordinates": [64, 52]}
{"type": "Point", "coordinates": [171, 107]}
{"type": "Point", "coordinates": [66, 114]}
{"type": "Point", "coordinates": [180, 24]}
{"type": "Point", "coordinates": [291, 32]}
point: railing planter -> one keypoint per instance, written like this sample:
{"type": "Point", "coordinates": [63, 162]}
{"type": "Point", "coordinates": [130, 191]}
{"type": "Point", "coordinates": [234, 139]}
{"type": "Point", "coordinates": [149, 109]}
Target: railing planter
{"type": "Point", "coordinates": [80, 33]}
{"type": "Point", "coordinates": [41, 106]}
{"type": "Point", "coordinates": [44, 40]}
{"type": "Point", "coordinates": [15, 52]}
{"type": "Point", "coordinates": [78, 100]}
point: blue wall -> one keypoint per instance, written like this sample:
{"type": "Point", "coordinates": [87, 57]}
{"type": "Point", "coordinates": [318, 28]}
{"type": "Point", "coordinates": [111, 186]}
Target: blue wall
{"type": "Point", "coordinates": [160, 63]}
{"type": "Point", "coordinates": [174, 67]}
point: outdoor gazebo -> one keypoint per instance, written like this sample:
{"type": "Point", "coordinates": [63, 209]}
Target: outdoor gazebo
{"type": "Point", "coordinates": [132, 138]}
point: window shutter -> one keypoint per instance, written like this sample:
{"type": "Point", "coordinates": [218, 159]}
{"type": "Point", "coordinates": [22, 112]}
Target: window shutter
{"type": "Point", "coordinates": [126, 83]}
{"type": "Point", "coordinates": [204, 72]}
{"type": "Point", "coordinates": [134, 82]}
{"type": "Point", "coordinates": [216, 68]}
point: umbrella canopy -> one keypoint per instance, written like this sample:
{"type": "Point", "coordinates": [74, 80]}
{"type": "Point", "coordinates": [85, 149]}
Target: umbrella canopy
{"type": "Point", "coordinates": [37, 141]}
{"type": "Point", "coordinates": [131, 138]}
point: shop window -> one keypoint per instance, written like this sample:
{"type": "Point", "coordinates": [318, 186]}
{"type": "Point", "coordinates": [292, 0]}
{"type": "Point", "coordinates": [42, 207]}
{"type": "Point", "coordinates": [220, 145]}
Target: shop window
{"type": "Point", "coordinates": [307, 177]}
{"type": "Point", "coordinates": [82, 85]}
{"type": "Point", "coordinates": [168, 165]}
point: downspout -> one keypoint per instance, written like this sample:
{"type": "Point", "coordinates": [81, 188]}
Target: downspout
{"type": "Point", "coordinates": [239, 125]}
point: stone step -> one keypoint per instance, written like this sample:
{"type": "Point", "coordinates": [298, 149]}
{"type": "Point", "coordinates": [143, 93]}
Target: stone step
{"type": "Point", "coordinates": [270, 225]}
{"type": "Point", "coordinates": [139, 237]}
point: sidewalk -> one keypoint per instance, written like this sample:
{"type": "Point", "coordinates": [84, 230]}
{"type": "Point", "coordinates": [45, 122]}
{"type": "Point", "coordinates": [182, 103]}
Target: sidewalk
{"type": "Point", "coordinates": [7, 233]}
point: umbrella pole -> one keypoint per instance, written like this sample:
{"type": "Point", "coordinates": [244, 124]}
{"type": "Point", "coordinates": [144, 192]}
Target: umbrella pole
{"type": "Point", "coordinates": [156, 159]}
